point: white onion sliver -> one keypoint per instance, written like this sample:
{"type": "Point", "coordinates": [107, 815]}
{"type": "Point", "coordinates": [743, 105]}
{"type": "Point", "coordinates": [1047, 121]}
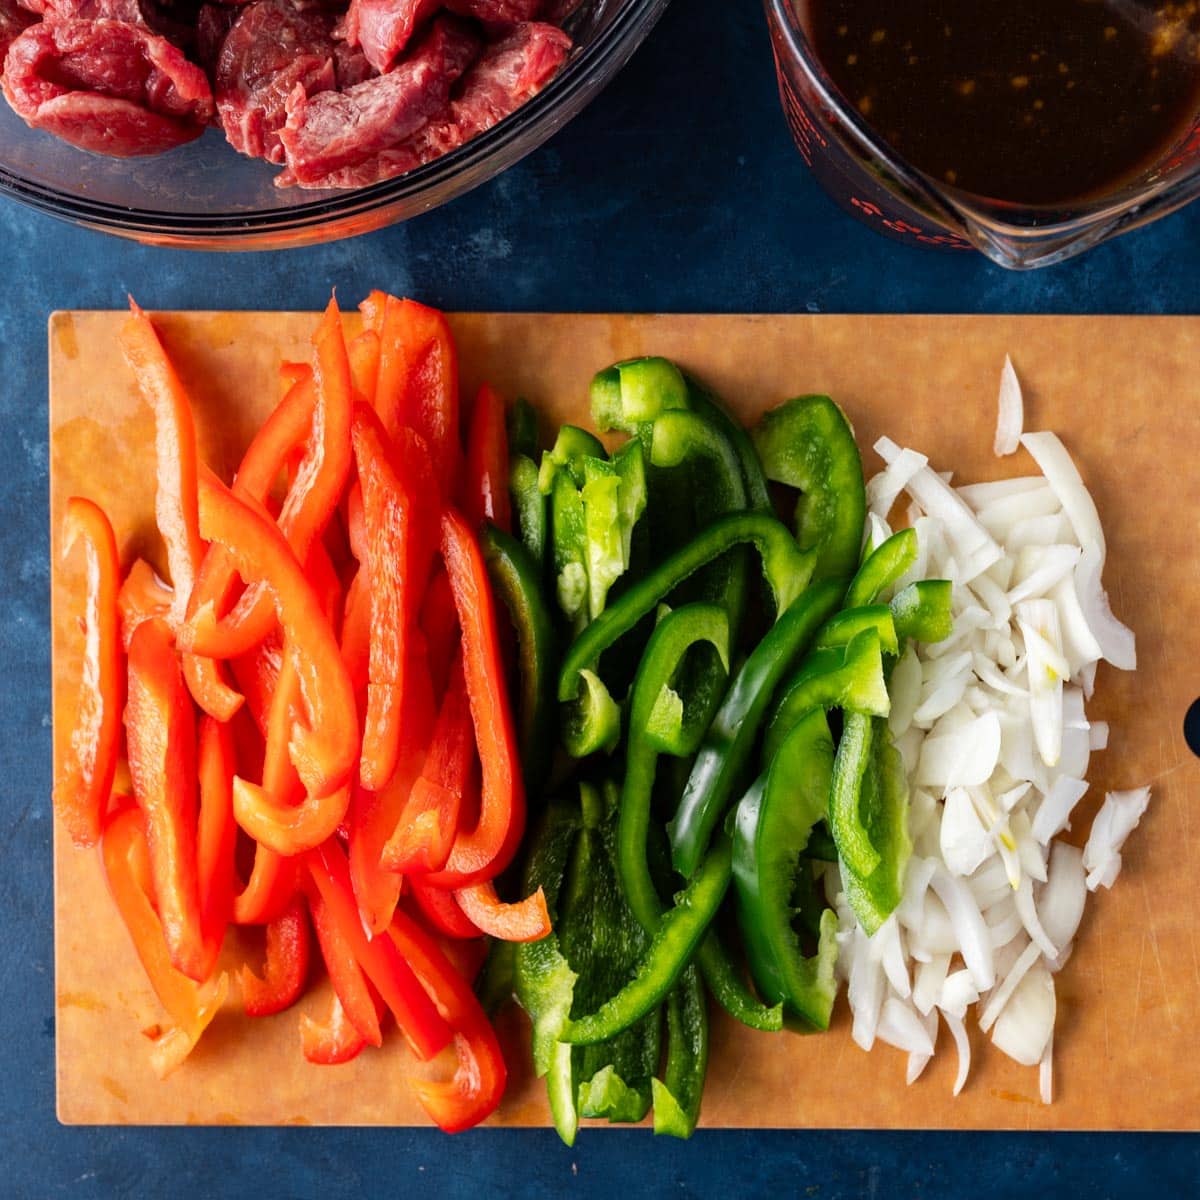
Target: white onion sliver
{"type": "Point", "coordinates": [884, 488]}
{"type": "Point", "coordinates": [969, 926]}
{"type": "Point", "coordinates": [966, 757]}
{"type": "Point", "coordinates": [930, 978]}
{"type": "Point", "coordinates": [1063, 476]}
{"type": "Point", "coordinates": [1010, 417]}
{"type": "Point", "coordinates": [958, 993]}
{"type": "Point", "coordinates": [980, 495]}
{"type": "Point", "coordinates": [1029, 918]}
{"type": "Point", "coordinates": [962, 1044]}
{"type": "Point", "coordinates": [1001, 996]}
{"type": "Point", "coordinates": [1046, 1072]}
{"type": "Point", "coordinates": [1054, 812]}
{"type": "Point", "coordinates": [1116, 820]}
{"type": "Point", "coordinates": [900, 1026]}
{"type": "Point", "coordinates": [1024, 1029]}
{"type": "Point", "coordinates": [1098, 735]}
{"type": "Point", "coordinates": [1060, 903]}
{"type": "Point", "coordinates": [1116, 641]}
{"type": "Point", "coordinates": [1039, 568]}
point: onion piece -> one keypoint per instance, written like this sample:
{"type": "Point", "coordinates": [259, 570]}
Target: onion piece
{"type": "Point", "coordinates": [1116, 641]}
{"type": "Point", "coordinates": [1117, 819]}
{"type": "Point", "coordinates": [900, 1026]}
{"type": "Point", "coordinates": [1029, 918]}
{"type": "Point", "coordinates": [1063, 477]}
{"type": "Point", "coordinates": [1001, 996]}
{"type": "Point", "coordinates": [1040, 568]}
{"type": "Point", "coordinates": [1025, 1026]}
{"type": "Point", "coordinates": [958, 994]}
{"type": "Point", "coordinates": [1038, 622]}
{"type": "Point", "coordinates": [962, 1045]}
{"type": "Point", "coordinates": [1098, 735]}
{"type": "Point", "coordinates": [865, 989]}
{"type": "Point", "coordinates": [930, 979]}
{"type": "Point", "coordinates": [967, 756]}
{"type": "Point", "coordinates": [1079, 646]}
{"type": "Point", "coordinates": [904, 688]}
{"type": "Point", "coordinates": [884, 488]}
{"type": "Point", "coordinates": [969, 926]}
{"type": "Point", "coordinates": [1054, 812]}
{"type": "Point", "coordinates": [980, 495]}
{"type": "Point", "coordinates": [1060, 903]}
{"type": "Point", "coordinates": [1010, 415]}
{"type": "Point", "coordinates": [1046, 1072]}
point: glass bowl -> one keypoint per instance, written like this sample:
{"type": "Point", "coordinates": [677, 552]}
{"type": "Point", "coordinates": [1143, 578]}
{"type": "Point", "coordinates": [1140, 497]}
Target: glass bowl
{"type": "Point", "coordinates": [207, 196]}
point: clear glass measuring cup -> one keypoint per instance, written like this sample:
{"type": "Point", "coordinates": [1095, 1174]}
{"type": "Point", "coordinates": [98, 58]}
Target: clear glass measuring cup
{"type": "Point", "coordinates": [868, 179]}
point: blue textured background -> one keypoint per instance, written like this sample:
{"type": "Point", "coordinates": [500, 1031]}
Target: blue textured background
{"type": "Point", "coordinates": [677, 190]}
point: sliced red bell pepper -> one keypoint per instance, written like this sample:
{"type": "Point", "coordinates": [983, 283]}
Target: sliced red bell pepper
{"type": "Point", "coordinates": [441, 911]}
{"type": "Point", "coordinates": [399, 551]}
{"type": "Point", "coordinates": [286, 968]}
{"type": "Point", "coordinates": [419, 1021]}
{"type": "Point", "coordinates": [526, 921]}
{"type": "Point", "coordinates": [356, 632]}
{"type": "Point", "coordinates": [314, 492]}
{"type": "Point", "coordinates": [374, 815]}
{"type": "Point", "coordinates": [257, 674]}
{"type": "Point", "coordinates": [325, 748]}
{"type": "Point", "coordinates": [478, 1083]}
{"type": "Point", "coordinates": [85, 773]}
{"type": "Point", "coordinates": [175, 453]}
{"type": "Point", "coordinates": [345, 974]}
{"type": "Point", "coordinates": [439, 624]}
{"type": "Point", "coordinates": [292, 373]}
{"type": "Point", "coordinates": [160, 727]}
{"type": "Point", "coordinates": [483, 852]}
{"type": "Point", "coordinates": [363, 352]}
{"type": "Point", "coordinates": [424, 831]}
{"type": "Point", "coordinates": [485, 482]}
{"type": "Point", "coordinates": [191, 1005]}
{"type": "Point", "coordinates": [332, 1041]}
{"type": "Point", "coordinates": [417, 386]}
{"type": "Point", "coordinates": [143, 595]}
{"type": "Point", "coordinates": [216, 835]}
{"type": "Point", "coordinates": [272, 884]}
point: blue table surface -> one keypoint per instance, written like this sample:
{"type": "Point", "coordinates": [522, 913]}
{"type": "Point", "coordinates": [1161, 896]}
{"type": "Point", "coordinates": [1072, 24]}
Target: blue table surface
{"type": "Point", "coordinates": [677, 190]}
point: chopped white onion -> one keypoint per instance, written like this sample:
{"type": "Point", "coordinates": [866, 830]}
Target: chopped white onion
{"type": "Point", "coordinates": [962, 1044]}
{"type": "Point", "coordinates": [884, 488]}
{"type": "Point", "coordinates": [1010, 417]}
{"type": "Point", "coordinates": [1001, 996]}
{"type": "Point", "coordinates": [900, 1026]}
{"type": "Point", "coordinates": [1098, 735]}
{"type": "Point", "coordinates": [980, 495]}
{"type": "Point", "coordinates": [963, 839]}
{"type": "Point", "coordinates": [1024, 1028]}
{"type": "Point", "coordinates": [962, 758]}
{"type": "Point", "coordinates": [1116, 641]}
{"type": "Point", "coordinates": [1117, 819]}
{"type": "Point", "coordinates": [1063, 476]}
{"type": "Point", "coordinates": [1029, 918]}
{"type": "Point", "coordinates": [969, 926]}
{"type": "Point", "coordinates": [1060, 902]}
{"type": "Point", "coordinates": [958, 993]}
{"type": "Point", "coordinates": [1039, 568]}
{"type": "Point", "coordinates": [931, 977]}
{"type": "Point", "coordinates": [1046, 1072]}
{"type": "Point", "coordinates": [1054, 812]}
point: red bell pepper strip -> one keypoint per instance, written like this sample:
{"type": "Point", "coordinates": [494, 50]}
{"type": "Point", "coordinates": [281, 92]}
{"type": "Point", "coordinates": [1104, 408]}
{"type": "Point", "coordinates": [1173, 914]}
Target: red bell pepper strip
{"type": "Point", "coordinates": [425, 829]}
{"type": "Point", "coordinates": [483, 852]}
{"type": "Point", "coordinates": [85, 774]}
{"type": "Point", "coordinates": [356, 632]}
{"type": "Point", "coordinates": [191, 1005]}
{"type": "Point", "coordinates": [485, 482]}
{"type": "Point", "coordinates": [441, 911]}
{"type": "Point", "coordinates": [292, 373]}
{"type": "Point", "coordinates": [350, 985]}
{"type": "Point", "coordinates": [478, 1083]}
{"type": "Point", "coordinates": [374, 815]}
{"type": "Point", "coordinates": [314, 493]}
{"type": "Point", "coordinates": [399, 551]}
{"type": "Point", "coordinates": [526, 921]}
{"type": "Point", "coordinates": [419, 1021]}
{"type": "Point", "coordinates": [332, 1041]}
{"type": "Point", "coordinates": [363, 352]}
{"type": "Point", "coordinates": [175, 453]}
{"type": "Point", "coordinates": [286, 967]}
{"type": "Point", "coordinates": [439, 624]}
{"type": "Point", "coordinates": [216, 835]}
{"type": "Point", "coordinates": [323, 750]}
{"type": "Point", "coordinates": [205, 679]}
{"type": "Point", "coordinates": [272, 884]}
{"type": "Point", "coordinates": [257, 674]}
{"type": "Point", "coordinates": [143, 595]}
{"type": "Point", "coordinates": [160, 728]}
{"type": "Point", "coordinates": [288, 829]}
{"type": "Point", "coordinates": [417, 386]}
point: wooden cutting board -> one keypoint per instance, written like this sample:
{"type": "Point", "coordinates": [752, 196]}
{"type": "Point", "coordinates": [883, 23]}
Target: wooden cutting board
{"type": "Point", "coordinates": [1124, 395]}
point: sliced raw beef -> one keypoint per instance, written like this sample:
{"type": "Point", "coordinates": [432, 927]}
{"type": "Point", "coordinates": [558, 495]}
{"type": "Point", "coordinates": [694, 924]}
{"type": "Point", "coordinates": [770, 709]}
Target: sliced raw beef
{"type": "Point", "coordinates": [212, 24]}
{"type": "Point", "coordinates": [106, 86]}
{"type": "Point", "coordinates": [350, 65]}
{"type": "Point", "coordinates": [334, 131]}
{"type": "Point", "coordinates": [93, 10]}
{"type": "Point", "coordinates": [271, 50]}
{"type": "Point", "coordinates": [13, 20]}
{"type": "Point", "coordinates": [505, 77]}
{"type": "Point", "coordinates": [384, 27]}
{"type": "Point", "coordinates": [497, 12]}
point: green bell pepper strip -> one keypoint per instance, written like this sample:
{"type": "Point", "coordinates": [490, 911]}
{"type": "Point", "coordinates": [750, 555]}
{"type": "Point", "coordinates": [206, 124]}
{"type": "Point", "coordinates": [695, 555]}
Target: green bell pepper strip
{"type": "Point", "coordinates": [650, 734]}
{"type": "Point", "coordinates": [591, 722]}
{"type": "Point", "coordinates": [630, 464]}
{"type": "Point", "coordinates": [883, 566]}
{"type": "Point", "coordinates": [922, 610]}
{"type": "Point", "coordinates": [522, 423]}
{"type": "Point", "coordinates": [731, 991]}
{"type": "Point", "coordinates": [542, 977]}
{"type": "Point", "coordinates": [517, 582]}
{"type": "Point", "coordinates": [606, 1094]}
{"type": "Point", "coordinates": [850, 679]}
{"type": "Point", "coordinates": [727, 746]}
{"type": "Point", "coordinates": [842, 629]}
{"type": "Point", "coordinates": [529, 507]}
{"type": "Point", "coordinates": [675, 941]}
{"type": "Point", "coordinates": [568, 541]}
{"type": "Point", "coordinates": [677, 1095]}
{"type": "Point", "coordinates": [809, 444]}
{"type": "Point", "coordinates": [602, 531]}
{"type": "Point", "coordinates": [785, 566]}
{"type": "Point", "coordinates": [877, 814]}
{"type": "Point", "coordinates": [562, 1087]}
{"type": "Point", "coordinates": [704, 402]}
{"type": "Point", "coordinates": [633, 393]}
{"type": "Point", "coordinates": [570, 448]}
{"type": "Point", "coordinates": [771, 832]}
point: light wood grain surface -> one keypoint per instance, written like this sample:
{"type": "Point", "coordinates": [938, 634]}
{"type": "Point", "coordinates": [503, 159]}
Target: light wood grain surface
{"type": "Point", "coordinates": [1122, 392]}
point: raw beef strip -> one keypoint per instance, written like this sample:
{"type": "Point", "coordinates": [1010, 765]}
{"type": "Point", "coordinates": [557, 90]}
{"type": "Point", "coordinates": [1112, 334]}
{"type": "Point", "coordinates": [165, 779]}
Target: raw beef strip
{"type": "Point", "coordinates": [271, 50]}
{"type": "Point", "coordinates": [507, 74]}
{"type": "Point", "coordinates": [212, 24]}
{"type": "Point", "coordinates": [497, 12]}
{"type": "Point", "coordinates": [335, 130]}
{"type": "Point", "coordinates": [350, 65]}
{"type": "Point", "coordinates": [384, 27]}
{"type": "Point", "coordinates": [93, 10]}
{"type": "Point", "coordinates": [106, 86]}
{"type": "Point", "coordinates": [12, 20]}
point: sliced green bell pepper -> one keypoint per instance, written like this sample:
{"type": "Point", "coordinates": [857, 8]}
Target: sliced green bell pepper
{"type": "Point", "coordinates": [850, 622]}
{"type": "Point", "coordinates": [529, 508]}
{"type": "Point", "coordinates": [809, 444]}
{"type": "Point", "coordinates": [522, 423]}
{"type": "Point", "coordinates": [727, 746]}
{"type": "Point", "coordinates": [883, 566]}
{"type": "Point", "coordinates": [922, 610]}
{"type": "Point", "coordinates": [774, 820]}
{"type": "Point", "coordinates": [677, 1095]}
